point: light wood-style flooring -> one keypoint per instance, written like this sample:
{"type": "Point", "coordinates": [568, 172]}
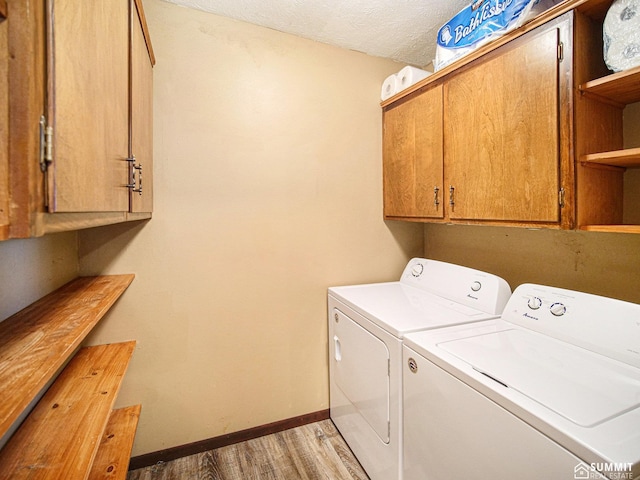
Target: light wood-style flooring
{"type": "Point", "coordinates": [310, 452]}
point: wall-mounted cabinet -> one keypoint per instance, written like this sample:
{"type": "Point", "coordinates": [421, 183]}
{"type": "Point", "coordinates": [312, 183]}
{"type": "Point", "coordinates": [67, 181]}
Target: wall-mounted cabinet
{"type": "Point", "coordinates": [81, 98]}
{"type": "Point", "coordinates": [413, 160]}
{"type": "Point", "coordinates": [532, 129]}
{"type": "Point", "coordinates": [141, 113]}
{"type": "Point", "coordinates": [502, 132]}
{"type": "Point", "coordinates": [483, 144]}
{"type": "Point", "coordinates": [4, 121]}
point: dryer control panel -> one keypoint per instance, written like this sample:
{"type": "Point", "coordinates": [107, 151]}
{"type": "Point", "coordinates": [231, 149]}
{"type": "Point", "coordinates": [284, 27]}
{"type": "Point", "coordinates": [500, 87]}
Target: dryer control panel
{"type": "Point", "coordinates": [480, 290]}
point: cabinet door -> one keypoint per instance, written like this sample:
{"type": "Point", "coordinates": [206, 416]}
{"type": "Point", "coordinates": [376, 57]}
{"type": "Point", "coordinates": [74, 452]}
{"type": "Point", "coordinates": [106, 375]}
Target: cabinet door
{"type": "Point", "coordinates": [141, 111]}
{"type": "Point", "coordinates": [501, 134]}
{"type": "Point", "coordinates": [412, 157]}
{"type": "Point", "coordinates": [88, 105]}
{"type": "Point", "coordinates": [4, 122]}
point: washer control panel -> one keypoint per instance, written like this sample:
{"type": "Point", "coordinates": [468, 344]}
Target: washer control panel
{"type": "Point", "coordinates": [557, 308]}
{"type": "Point", "coordinates": [540, 304]}
{"type": "Point", "coordinates": [600, 324]}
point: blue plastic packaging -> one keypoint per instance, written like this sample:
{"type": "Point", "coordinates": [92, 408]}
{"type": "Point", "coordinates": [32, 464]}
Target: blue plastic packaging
{"type": "Point", "coordinates": [481, 22]}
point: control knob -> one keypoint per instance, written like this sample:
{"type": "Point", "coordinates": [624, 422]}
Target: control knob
{"type": "Point", "coordinates": [558, 309]}
{"type": "Point", "coordinates": [534, 303]}
{"type": "Point", "coordinates": [476, 286]}
{"type": "Point", "coordinates": [417, 270]}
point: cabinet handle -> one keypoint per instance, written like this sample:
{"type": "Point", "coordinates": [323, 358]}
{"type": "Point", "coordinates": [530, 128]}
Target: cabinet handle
{"type": "Point", "coordinates": [139, 168]}
{"type": "Point", "coordinates": [132, 175]}
{"type": "Point", "coordinates": [436, 202]}
{"type": "Point", "coordinates": [451, 192]}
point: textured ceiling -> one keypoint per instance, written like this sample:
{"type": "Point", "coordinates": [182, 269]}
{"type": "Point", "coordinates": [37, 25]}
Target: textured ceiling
{"type": "Point", "coordinates": [402, 30]}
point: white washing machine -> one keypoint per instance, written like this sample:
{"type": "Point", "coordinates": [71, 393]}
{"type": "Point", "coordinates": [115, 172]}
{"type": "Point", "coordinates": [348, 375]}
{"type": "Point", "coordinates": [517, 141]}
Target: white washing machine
{"type": "Point", "coordinates": [366, 327]}
{"type": "Point", "coordinates": [549, 391]}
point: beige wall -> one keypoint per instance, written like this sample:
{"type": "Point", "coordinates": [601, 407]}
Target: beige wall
{"type": "Point", "coordinates": [267, 190]}
{"type": "Point", "coordinates": [601, 263]}
{"type": "Point", "coordinates": [267, 185]}
{"type": "Point", "coordinates": [29, 269]}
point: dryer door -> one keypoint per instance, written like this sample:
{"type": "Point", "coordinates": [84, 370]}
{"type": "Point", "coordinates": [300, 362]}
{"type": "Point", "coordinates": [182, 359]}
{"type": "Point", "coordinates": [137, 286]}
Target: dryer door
{"type": "Point", "coordinates": [362, 372]}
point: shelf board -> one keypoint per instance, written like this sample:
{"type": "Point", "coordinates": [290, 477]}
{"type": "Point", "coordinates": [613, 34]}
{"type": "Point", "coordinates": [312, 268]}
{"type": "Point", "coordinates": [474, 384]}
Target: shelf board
{"type": "Point", "coordinates": [620, 87]}
{"type": "Point", "coordinates": [628, 158]}
{"type": "Point", "coordinates": [596, 9]}
{"type": "Point", "coordinates": [59, 438]}
{"type": "Point", "coordinates": [36, 342]}
{"type": "Point", "coordinates": [114, 453]}
{"type": "Point", "coordinates": [612, 228]}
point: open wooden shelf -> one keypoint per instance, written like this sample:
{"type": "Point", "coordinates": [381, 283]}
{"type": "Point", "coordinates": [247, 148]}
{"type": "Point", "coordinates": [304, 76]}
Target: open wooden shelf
{"type": "Point", "coordinates": [60, 437]}
{"type": "Point", "coordinates": [601, 104]}
{"type": "Point", "coordinates": [37, 341]}
{"type": "Point", "coordinates": [612, 228]}
{"type": "Point", "coordinates": [112, 459]}
{"type": "Point", "coordinates": [622, 87]}
{"type": "Point", "coordinates": [628, 158]}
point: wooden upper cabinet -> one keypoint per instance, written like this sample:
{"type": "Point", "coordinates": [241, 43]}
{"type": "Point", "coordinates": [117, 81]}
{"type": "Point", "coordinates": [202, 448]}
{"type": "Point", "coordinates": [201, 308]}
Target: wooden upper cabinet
{"type": "Point", "coordinates": [87, 99]}
{"type": "Point", "coordinates": [501, 134]}
{"type": "Point", "coordinates": [492, 135]}
{"type": "Point", "coordinates": [80, 99]}
{"type": "Point", "coordinates": [412, 157]}
{"type": "Point", "coordinates": [100, 104]}
{"type": "Point", "coordinates": [4, 122]}
{"type": "Point", "coordinates": [141, 111]}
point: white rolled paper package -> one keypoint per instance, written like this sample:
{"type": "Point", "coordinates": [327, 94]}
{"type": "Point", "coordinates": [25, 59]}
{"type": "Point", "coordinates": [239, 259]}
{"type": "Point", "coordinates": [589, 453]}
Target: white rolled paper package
{"type": "Point", "coordinates": [480, 22]}
{"type": "Point", "coordinates": [621, 35]}
{"type": "Point", "coordinates": [410, 75]}
{"type": "Point", "coordinates": [389, 87]}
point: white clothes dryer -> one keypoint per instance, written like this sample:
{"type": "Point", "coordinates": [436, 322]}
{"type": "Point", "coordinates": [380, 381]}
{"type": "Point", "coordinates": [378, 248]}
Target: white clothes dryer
{"type": "Point", "coordinates": [366, 326]}
{"type": "Point", "coordinates": [550, 390]}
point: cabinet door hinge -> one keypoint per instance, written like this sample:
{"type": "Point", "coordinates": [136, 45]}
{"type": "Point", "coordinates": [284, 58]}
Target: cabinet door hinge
{"type": "Point", "coordinates": [560, 52]}
{"type": "Point", "coordinates": [46, 144]}
{"type": "Point", "coordinates": [561, 197]}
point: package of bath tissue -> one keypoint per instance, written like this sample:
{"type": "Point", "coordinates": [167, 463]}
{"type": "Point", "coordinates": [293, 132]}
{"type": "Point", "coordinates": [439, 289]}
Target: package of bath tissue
{"type": "Point", "coordinates": [621, 35]}
{"type": "Point", "coordinates": [481, 22]}
{"type": "Point", "coordinates": [389, 87]}
{"type": "Point", "coordinates": [409, 76]}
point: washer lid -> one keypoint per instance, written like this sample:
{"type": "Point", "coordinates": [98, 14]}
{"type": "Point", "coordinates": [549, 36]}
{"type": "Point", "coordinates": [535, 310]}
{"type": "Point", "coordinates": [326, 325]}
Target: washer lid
{"type": "Point", "coordinates": [400, 309]}
{"type": "Point", "coordinates": [584, 387]}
